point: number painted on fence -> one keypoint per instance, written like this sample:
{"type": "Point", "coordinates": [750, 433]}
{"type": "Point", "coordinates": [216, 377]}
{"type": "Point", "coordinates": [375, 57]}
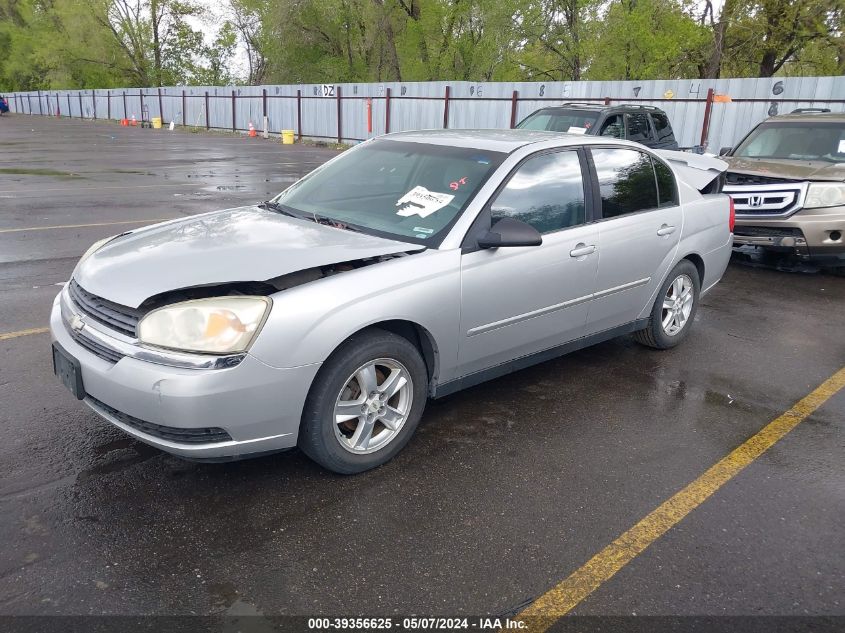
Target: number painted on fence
{"type": "Point", "coordinates": [328, 90]}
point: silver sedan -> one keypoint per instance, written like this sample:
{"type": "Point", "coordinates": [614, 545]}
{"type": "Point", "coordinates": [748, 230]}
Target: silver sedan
{"type": "Point", "coordinates": [407, 268]}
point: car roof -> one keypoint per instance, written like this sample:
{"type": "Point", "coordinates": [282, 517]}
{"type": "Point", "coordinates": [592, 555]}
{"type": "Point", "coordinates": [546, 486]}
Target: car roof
{"type": "Point", "coordinates": [490, 140]}
{"type": "Point", "coordinates": [829, 117]}
{"type": "Point", "coordinates": [600, 107]}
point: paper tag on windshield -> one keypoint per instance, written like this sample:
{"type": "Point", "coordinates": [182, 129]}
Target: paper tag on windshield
{"type": "Point", "coordinates": [422, 202]}
{"type": "Point", "coordinates": [577, 130]}
{"type": "Point", "coordinates": [841, 149]}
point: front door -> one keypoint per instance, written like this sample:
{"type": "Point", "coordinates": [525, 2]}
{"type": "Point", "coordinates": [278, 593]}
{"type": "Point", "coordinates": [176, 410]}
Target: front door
{"type": "Point", "coordinates": [520, 300]}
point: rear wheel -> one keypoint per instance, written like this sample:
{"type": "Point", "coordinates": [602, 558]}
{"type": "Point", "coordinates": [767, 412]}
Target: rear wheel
{"type": "Point", "coordinates": [674, 308]}
{"type": "Point", "coordinates": [365, 403]}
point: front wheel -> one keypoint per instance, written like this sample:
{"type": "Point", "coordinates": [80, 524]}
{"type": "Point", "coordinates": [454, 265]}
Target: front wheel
{"type": "Point", "coordinates": [365, 403]}
{"type": "Point", "coordinates": [674, 308]}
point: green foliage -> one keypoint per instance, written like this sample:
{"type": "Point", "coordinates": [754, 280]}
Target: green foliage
{"type": "Point", "coordinates": [111, 43]}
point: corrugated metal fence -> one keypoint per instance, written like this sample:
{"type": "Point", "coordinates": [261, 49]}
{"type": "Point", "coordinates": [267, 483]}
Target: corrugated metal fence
{"type": "Point", "coordinates": [698, 109]}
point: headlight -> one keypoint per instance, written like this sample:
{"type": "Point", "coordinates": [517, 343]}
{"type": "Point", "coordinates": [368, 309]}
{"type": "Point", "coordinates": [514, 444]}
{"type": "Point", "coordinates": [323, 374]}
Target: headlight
{"type": "Point", "coordinates": [221, 325]}
{"type": "Point", "coordinates": [825, 194]}
{"type": "Point", "coordinates": [94, 248]}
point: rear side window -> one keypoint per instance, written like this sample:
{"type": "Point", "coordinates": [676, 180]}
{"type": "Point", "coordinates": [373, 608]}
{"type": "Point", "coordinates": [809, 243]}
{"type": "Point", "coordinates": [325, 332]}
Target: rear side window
{"type": "Point", "coordinates": [546, 191]}
{"type": "Point", "coordinates": [662, 127]}
{"type": "Point", "coordinates": [638, 128]}
{"type": "Point", "coordinates": [626, 181]}
{"type": "Point", "coordinates": [666, 188]}
{"type": "Point", "coordinates": [613, 127]}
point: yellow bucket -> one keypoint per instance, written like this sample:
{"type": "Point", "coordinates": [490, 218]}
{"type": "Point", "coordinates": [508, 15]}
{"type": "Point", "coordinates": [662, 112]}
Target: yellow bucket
{"type": "Point", "coordinates": [287, 137]}
{"type": "Point", "coordinates": [156, 122]}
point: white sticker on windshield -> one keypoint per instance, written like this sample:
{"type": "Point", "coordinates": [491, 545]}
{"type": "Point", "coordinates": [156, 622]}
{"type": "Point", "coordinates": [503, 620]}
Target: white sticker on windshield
{"type": "Point", "coordinates": [841, 149]}
{"type": "Point", "coordinates": [422, 202]}
{"type": "Point", "coordinates": [577, 130]}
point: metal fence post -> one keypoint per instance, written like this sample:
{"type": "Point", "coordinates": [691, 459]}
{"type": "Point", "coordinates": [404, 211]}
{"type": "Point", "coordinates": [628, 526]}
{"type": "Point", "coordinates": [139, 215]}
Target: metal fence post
{"type": "Point", "coordinates": [514, 98]}
{"type": "Point", "coordinates": [299, 113]}
{"type": "Point", "coordinates": [233, 111]}
{"type": "Point", "coordinates": [124, 105]}
{"type": "Point", "coordinates": [108, 105]}
{"type": "Point", "coordinates": [29, 104]}
{"type": "Point", "coordinates": [446, 109]}
{"type": "Point", "coordinates": [708, 112]}
{"type": "Point", "coordinates": [160, 106]}
{"type": "Point", "coordinates": [81, 111]}
{"type": "Point", "coordinates": [184, 109]}
{"type": "Point", "coordinates": [69, 106]}
{"type": "Point", "coordinates": [339, 115]}
{"type": "Point", "coordinates": [265, 120]}
{"type": "Point", "coordinates": [207, 113]}
{"type": "Point", "coordinates": [141, 97]}
{"type": "Point", "coordinates": [94, 104]}
{"type": "Point", "coordinates": [387, 111]}
{"type": "Point", "coordinates": [40, 109]}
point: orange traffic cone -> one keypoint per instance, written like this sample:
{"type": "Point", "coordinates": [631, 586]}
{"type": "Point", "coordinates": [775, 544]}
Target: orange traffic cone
{"type": "Point", "coordinates": [251, 130]}
{"type": "Point", "coordinates": [134, 121]}
{"type": "Point", "coordinates": [124, 122]}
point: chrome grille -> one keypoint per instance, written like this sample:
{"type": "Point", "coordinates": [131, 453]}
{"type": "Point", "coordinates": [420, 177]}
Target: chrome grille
{"type": "Point", "coordinates": [118, 317]}
{"type": "Point", "coordinates": [106, 353]}
{"type": "Point", "coordinates": [775, 200]}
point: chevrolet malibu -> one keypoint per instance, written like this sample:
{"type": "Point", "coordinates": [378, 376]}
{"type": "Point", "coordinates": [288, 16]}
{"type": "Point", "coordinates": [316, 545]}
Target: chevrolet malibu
{"type": "Point", "coordinates": [407, 268]}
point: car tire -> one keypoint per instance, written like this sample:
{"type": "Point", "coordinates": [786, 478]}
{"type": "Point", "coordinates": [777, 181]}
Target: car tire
{"type": "Point", "coordinates": [681, 290]}
{"type": "Point", "coordinates": [344, 380]}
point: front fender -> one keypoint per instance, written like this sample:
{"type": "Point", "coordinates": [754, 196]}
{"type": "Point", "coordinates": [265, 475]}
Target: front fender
{"type": "Point", "coordinates": [308, 322]}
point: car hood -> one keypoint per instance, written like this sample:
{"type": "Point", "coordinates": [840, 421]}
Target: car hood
{"type": "Point", "coordinates": [236, 245]}
{"type": "Point", "coordinates": [788, 169]}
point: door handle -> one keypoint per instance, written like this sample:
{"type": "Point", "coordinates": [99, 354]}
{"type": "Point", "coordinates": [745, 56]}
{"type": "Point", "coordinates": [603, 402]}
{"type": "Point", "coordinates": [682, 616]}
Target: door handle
{"type": "Point", "coordinates": [582, 249]}
{"type": "Point", "coordinates": [665, 230]}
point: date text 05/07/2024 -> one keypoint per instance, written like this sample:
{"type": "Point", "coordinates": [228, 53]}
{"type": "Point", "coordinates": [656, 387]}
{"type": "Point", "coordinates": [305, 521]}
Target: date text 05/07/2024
{"type": "Point", "coordinates": [415, 624]}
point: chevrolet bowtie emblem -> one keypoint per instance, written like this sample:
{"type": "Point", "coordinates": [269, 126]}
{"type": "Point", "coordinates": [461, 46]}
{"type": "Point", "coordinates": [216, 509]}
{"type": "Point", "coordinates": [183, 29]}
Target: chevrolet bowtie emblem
{"type": "Point", "coordinates": [76, 323]}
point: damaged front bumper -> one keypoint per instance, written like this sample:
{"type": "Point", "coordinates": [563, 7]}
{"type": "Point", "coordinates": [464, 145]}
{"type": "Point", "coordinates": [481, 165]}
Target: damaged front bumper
{"type": "Point", "coordinates": [195, 413]}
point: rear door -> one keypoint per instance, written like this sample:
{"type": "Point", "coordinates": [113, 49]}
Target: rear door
{"type": "Point", "coordinates": [639, 230]}
{"type": "Point", "coordinates": [521, 300]}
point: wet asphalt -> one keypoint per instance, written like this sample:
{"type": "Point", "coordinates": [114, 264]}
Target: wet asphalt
{"type": "Point", "coordinates": [505, 490]}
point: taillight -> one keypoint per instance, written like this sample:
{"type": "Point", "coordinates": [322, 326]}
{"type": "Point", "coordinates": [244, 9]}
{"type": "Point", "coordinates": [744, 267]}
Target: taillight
{"type": "Point", "coordinates": [732, 219]}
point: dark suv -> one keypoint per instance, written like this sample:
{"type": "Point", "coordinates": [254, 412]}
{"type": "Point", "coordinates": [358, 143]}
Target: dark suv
{"type": "Point", "coordinates": [644, 124]}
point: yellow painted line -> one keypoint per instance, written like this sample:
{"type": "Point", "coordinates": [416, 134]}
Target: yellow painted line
{"type": "Point", "coordinates": [35, 330]}
{"type": "Point", "coordinates": [80, 226]}
{"type": "Point", "coordinates": [563, 597]}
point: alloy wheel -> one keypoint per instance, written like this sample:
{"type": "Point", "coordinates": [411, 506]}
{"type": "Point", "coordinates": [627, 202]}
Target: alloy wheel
{"type": "Point", "coordinates": [373, 405]}
{"type": "Point", "coordinates": [677, 305]}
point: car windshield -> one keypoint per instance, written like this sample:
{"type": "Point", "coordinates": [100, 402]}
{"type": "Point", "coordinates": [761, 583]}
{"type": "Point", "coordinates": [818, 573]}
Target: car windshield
{"type": "Point", "coordinates": [402, 190]}
{"type": "Point", "coordinates": [816, 140]}
{"type": "Point", "coordinates": [560, 120]}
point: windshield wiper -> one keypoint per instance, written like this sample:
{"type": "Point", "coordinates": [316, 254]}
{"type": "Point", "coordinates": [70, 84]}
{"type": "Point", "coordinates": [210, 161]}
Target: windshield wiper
{"type": "Point", "coordinates": [333, 223]}
{"type": "Point", "coordinates": [269, 205]}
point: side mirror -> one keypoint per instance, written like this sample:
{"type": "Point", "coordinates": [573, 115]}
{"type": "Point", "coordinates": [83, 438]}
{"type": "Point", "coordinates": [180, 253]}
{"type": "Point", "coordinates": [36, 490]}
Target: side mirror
{"type": "Point", "coordinates": [510, 232]}
{"type": "Point", "coordinates": [724, 151]}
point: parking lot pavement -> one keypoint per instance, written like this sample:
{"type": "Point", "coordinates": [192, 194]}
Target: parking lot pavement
{"type": "Point", "coordinates": [506, 490]}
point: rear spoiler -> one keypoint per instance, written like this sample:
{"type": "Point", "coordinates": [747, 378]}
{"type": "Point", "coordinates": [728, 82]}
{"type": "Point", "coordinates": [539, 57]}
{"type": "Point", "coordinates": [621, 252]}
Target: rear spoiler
{"type": "Point", "coordinates": [695, 169]}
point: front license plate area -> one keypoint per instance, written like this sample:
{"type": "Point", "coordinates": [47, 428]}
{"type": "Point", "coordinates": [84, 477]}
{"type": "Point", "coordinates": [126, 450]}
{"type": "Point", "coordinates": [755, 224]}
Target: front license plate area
{"type": "Point", "coordinates": [68, 371]}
